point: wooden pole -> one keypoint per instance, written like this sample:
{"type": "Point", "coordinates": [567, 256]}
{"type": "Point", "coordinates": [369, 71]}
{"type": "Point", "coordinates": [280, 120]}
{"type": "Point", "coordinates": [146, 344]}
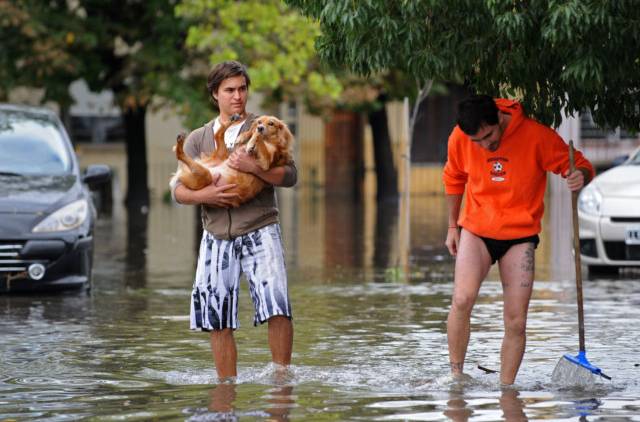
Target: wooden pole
{"type": "Point", "coordinates": [576, 249]}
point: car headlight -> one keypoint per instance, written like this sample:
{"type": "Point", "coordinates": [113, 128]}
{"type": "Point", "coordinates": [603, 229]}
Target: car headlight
{"type": "Point", "coordinates": [66, 218]}
{"type": "Point", "coordinates": [590, 200]}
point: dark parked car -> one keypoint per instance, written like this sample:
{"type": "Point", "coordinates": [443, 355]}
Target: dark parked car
{"type": "Point", "coordinates": [46, 211]}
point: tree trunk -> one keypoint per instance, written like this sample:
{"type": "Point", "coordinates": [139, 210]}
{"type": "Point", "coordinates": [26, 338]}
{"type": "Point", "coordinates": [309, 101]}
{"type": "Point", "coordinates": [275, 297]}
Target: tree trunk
{"type": "Point", "coordinates": [65, 118]}
{"type": "Point", "coordinates": [137, 244]}
{"type": "Point", "coordinates": [135, 140]}
{"type": "Point", "coordinates": [386, 174]}
{"type": "Point", "coordinates": [344, 162]}
{"type": "Point", "coordinates": [384, 234]}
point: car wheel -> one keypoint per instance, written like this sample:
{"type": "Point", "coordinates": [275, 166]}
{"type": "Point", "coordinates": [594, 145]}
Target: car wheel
{"type": "Point", "coordinates": [603, 269]}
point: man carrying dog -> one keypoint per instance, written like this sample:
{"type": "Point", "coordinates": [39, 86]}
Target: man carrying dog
{"type": "Point", "coordinates": [246, 239]}
{"type": "Point", "coordinates": [499, 159]}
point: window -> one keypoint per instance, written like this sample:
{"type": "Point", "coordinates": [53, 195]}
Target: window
{"type": "Point", "coordinates": [32, 146]}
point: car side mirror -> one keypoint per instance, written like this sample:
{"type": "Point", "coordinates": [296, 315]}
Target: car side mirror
{"type": "Point", "coordinates": [96, 174]}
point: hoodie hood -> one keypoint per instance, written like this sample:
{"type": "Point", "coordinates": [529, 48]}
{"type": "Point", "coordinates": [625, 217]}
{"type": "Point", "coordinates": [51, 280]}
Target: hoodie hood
{"type": "Point", "coordinates": [513, 108]}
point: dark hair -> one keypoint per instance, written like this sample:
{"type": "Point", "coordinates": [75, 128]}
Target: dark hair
{"type": "Point", "coordinates": [476, 111]}
{"type": "Point", "coordinates": [222, 71]}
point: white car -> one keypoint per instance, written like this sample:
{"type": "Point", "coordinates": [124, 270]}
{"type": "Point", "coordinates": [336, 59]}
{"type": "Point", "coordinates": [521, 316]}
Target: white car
{"type": "Point", "coordinates": [609, 215]}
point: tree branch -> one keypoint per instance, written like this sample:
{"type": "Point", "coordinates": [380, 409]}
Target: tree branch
{"type": "Point", "coordinates": [423, 92]}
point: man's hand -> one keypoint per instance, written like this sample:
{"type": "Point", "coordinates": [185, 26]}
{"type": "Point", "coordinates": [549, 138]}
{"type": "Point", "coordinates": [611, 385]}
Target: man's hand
{"type": "Point", "coordinates": [241, 160]}
{"type": "Point", "coordinates": [453, 240]}
{"type": "Point", "coordinates": [217, 196]}
{"type": "Point", "coordinates": [575, 180]}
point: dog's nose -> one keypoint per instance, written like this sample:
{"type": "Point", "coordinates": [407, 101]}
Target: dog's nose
{"type": "Point", "coordinates": [260, 128]}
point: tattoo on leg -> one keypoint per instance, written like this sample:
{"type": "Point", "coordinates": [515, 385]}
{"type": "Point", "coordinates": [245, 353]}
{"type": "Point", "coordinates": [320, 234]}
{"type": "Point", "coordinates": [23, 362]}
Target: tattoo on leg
{"type": "Point", "coordinates": [527, 265]}
{"type": "Point", "coordinates": [528, 262]}
{"type": "Point", "coordinates": [456, 366]}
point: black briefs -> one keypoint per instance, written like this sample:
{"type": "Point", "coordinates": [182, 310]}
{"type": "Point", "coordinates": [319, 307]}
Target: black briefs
{"type": "Point", "coordinates": [497, 248]}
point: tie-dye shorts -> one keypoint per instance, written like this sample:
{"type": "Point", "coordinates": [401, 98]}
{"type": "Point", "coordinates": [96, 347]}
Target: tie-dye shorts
{"type": "Point", "coordinates": [260, 256]}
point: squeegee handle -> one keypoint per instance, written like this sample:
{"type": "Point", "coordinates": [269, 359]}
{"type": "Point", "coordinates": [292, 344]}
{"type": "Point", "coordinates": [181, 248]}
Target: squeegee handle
{"type": "Point", "coordinates": [576, 250]}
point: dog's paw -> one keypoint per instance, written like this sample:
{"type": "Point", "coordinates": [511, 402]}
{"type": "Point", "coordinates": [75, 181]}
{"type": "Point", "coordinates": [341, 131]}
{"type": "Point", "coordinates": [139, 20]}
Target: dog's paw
{"type": "Point", "coordinates": [178, 148]}
{"type": "Point", "coordinates": [235, 117]}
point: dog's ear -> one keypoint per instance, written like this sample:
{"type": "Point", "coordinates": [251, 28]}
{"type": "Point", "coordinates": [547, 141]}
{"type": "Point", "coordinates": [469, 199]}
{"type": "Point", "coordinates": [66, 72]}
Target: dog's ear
{"type": "Point", "coordinates": [287, 156]}
{"type": "Point", "coordinates": [279, 159]}
{"type": "Point", "coordinates": [282, 156]}
{"type": "Point", "coordinates": [286, 137]}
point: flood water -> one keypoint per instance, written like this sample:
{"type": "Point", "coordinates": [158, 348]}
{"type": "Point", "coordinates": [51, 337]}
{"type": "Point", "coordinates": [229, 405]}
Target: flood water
{"type": "Point", "coordinates": [370, 335]}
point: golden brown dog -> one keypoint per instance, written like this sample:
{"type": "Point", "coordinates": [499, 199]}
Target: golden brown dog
{"type": "Point", "coordinates": [268, 140]}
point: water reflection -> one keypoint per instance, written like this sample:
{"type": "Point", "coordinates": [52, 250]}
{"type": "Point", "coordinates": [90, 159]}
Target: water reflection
{"type": "Point", "coordinates": [344, 230]}
{"type": "Point", "coordinates": [326, 233]}
{"type": "Point", "coordinates": [462, 407]}
{"type": "Point", "coordinates": [222, 397]}
{"type": "Point", "coordinates": [136, 255]}
{"type": "Point", "coordinates": [512, 406]}
{"type": "Point", "coordinates": [276, 404]}
{"type": "Point", "coordinates": [457, 409]}
{"type": "Point", "coordinates": [364, 350]}
{"type": "Point", "coordinates": [280, 402]}
{"type": "Point", "coordinates": [586, 407]}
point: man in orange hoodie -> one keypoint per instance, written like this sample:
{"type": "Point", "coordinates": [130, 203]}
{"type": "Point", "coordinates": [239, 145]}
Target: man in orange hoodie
{"type": "Point", "coordinates": [499, 159]}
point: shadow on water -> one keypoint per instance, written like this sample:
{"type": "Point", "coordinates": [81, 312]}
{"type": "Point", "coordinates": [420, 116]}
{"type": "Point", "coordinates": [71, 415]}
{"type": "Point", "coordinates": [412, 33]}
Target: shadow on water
{"type": "Point", "coordinates": [368, 345]}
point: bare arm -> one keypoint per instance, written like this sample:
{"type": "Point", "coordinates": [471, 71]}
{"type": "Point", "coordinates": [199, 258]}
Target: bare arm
{"type": "Point", "coordinates": [285, 176]}
{"type": "Point", "coordinates": [212, 195]}
{"type": "Point", "coordinates": [453, 234]}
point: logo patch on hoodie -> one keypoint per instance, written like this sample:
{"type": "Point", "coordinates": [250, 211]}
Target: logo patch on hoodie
{"type": "Point", "coordinates": [497, 171]}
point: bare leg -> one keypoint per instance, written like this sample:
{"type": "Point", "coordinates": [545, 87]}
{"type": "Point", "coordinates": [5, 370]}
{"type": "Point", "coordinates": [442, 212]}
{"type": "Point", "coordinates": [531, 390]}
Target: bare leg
{"type": "Point", "coordinates": [225, 355]}
{"type": "Point", "coordinates": [472, 265]}
{"type": "Point", "coordinates": [516, 272]}
{"type": "Point", "coordinates": [280, 339]}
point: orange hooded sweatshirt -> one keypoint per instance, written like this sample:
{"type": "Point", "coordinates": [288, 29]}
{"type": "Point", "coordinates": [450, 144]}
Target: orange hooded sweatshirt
{"type": "Point", "coordinates": [505, 188]}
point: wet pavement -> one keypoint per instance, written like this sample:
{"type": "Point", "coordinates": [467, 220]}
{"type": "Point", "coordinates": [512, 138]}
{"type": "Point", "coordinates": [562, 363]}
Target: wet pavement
{"type": "Point", "coordinates": [370, 335]}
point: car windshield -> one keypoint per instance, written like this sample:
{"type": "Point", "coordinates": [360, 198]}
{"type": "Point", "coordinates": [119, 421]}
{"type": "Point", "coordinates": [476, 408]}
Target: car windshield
{"type": "Point", "coordinates": [635, 159]}
{"type": "Point", "coordinates": [31, 144]}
